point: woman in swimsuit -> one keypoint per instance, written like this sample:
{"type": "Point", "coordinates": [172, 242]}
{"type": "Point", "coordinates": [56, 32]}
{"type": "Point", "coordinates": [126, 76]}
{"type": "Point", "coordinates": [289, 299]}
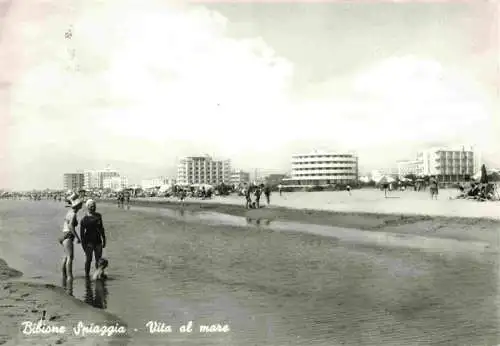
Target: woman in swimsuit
{"type": "Point", "coordinates": [92, 235]}
{"type": "Point", "coordinates": [69, 234]}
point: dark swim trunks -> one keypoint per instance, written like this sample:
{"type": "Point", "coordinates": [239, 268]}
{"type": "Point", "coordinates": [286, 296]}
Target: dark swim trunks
{"type": "Point", "coordinates": [66, 235]}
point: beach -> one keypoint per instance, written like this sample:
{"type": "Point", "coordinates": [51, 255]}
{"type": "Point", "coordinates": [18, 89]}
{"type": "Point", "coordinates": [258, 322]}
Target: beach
{"type": "Point", "coordinates": [308, 278]}
{"type": "Point", "coordinates": [24, 302]}
{"type": "Point", "coordinates": [363, 201]}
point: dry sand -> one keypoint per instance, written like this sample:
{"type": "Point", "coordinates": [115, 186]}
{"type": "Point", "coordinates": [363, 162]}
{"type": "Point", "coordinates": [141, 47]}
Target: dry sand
{"type": "Point", "coordinates": [23, 301]}
{"type": "Point", "coordinates": [364, 201]}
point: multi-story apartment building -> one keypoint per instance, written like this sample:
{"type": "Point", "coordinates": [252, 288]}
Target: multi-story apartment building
{"type": "Point", "coordinates": [115, 183]}
{"type": "Point", "coordinates": [73, 181]}
{"type": "Point", "coordinates": [95, 179]}
{"type": "Point", "coordinates": [157, 182]}
{"type": "Point", "coordinates": [447, 164]}
{"type": "Point", "coordinates": [323, 168]}
{"type": "Point", "coordinates": [239, 177]}
{"type": "Point", "coordinates": [203, 170]}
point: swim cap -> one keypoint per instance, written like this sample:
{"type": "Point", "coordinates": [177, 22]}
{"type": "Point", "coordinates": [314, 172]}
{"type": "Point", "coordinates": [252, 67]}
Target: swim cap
{"type": "Point", "coordinates": [90, 203]}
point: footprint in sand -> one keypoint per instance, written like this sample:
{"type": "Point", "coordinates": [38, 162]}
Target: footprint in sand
{"type": "Point", "coordinates": [25, 295]}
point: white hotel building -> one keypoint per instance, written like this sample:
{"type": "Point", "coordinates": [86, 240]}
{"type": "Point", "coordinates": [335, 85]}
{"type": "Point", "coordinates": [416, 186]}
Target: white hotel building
{"type": "Point", "coordinates": [447, 164]}
{"type": "Point", "coordinates": [95, 179]}
{"type": "Point", "coordinates": [323, 168]}
{"type": "Point", "coordinates": [115, 183]}
{"type": "Point", "coordinates": [203, 170]}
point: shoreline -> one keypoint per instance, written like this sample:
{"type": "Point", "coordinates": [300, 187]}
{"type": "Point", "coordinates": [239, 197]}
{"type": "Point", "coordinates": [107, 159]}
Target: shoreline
{"type": "Point", "coordinates": [24, 301]}
{"type": "Point", "coordinates": [304, 215]}
{"type": "Point", "coordinates": [411, 229]}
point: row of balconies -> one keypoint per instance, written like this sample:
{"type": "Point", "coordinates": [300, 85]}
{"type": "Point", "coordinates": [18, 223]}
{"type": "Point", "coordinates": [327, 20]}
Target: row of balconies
{"type": "Point", "coordinates": [302, 162]}
{"type": "Point", "coordinates": [322, 156]}
{"type": "Point", "coordinates": [324, 175]}
{"type": "Point", "coordinates": [324, 168]}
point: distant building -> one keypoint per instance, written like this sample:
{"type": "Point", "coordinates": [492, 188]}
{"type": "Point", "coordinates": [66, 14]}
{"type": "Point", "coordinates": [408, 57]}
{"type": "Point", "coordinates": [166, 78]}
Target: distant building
{"type": "Point", "coordinates": [95, 179]}
{"type": "Point", "coordinates": [410, 167]}
{"type": "Point", "coordinates": [73, 181]}
{"type": "Point", "coordinates": [447, 164]}
{"type": "Point", "coordinates": [157, 182]}
{"type": "Point", "coordinates": [203, 170]}
{"type": "Point", "coordinates": [323, 168]}
{"type": "Point", "coordinates": [239, 177]}
{"type": "Point", "coordinates": [115, 183]}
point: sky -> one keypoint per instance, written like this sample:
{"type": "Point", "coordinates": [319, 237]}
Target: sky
{"type": "Point", "coordinates": [142, 83]}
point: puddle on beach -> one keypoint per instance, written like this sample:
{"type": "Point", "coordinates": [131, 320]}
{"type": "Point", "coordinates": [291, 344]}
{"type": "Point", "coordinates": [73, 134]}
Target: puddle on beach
{"type": "Point", "coordinates": [348, 235]}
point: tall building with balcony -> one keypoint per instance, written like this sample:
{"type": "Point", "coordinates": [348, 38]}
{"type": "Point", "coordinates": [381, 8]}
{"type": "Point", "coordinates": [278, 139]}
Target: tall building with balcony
{"type": "Point", "coordinates": [323, 168]}
{"type": "Point", "coordinates": [115, 183]}
{"type": "Point", "coordinates": [203, 170]}
{"type": "Point", "coordinates": [449, 164]}
{"type": "Point", "coordinates": [73, 181]}
{"type": "Point", "coordinates": [239, 177]}
{"type": "Point", "coordinates": [95, 179]}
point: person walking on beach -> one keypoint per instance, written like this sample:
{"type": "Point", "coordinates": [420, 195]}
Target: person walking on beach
{"type": "Point", "coordinates": [280, 188]}
{"type": "Point", "coordinates": [348, 188]}
{"type": "Point", "coordinates": [258, 193]}
{"type": "Point", "coordinates": [69, 234]}
{"type": "Point", "coordinates": [433, 184]}
{"type": "Point", "coordinates": [127, 199]}
{"type": "Point", "coordinates": [248, 198]}
{"type": "Point", "coordinates": [92, 236]}
{"type": "Point", "coordinates": [267, 193]}
{"type": "Point", "coordinates": [385, 186]}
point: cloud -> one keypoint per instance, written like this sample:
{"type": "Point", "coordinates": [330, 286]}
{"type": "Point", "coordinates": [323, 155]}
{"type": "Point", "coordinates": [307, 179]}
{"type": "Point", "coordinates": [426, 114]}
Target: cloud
{"type": "Point", "coordinates": [403, 99]}
{"type": "Point", "coordinates": [147, 71]}
{"type": "Point", "coordinates": [144, 70]}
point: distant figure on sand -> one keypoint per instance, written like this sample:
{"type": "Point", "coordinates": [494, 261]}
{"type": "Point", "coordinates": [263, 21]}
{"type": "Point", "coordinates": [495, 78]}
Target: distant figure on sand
{"type": "Point", "coordinates": [92, 235]}
{"type": "Point", "coordinates": [69, 234]}
{"type": "Point", "coordinates": [280, 189]}
{"type": "Point", "coordinates": [248, 197]}
{"type": "Point", "coordinates": [433, 184]}
{"type": "Point", "coordinates": [127, 199]}
{"type": "Point", "coordinates": [385, 186]}
{"type": "Point", "coordinates": [258, 192]}
{"type": "Point", "coordinates": [267, 193]}
{"type": "Point", "coordinates": [348, 188]}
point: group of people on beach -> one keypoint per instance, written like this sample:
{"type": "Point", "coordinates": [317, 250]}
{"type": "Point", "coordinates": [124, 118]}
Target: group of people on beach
{"type": "Point", "coordinates": [256, 191]}
{"type": "Point", "coordinates": [92, 237]}
{"type": "Point", "coordinates": [122, 198]}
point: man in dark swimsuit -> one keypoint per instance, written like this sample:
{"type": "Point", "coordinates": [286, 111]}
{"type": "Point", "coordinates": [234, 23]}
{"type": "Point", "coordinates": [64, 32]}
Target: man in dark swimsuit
{"type": "Point", "coordinates": [92, 236]}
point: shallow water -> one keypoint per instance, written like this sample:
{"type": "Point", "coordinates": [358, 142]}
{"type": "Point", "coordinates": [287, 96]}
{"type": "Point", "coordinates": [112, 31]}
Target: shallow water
{"type": "Point", "coordinates": [271, 285]}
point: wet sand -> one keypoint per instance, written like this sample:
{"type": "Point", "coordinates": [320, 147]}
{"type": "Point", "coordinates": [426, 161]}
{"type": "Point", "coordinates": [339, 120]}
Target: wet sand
{"type": "Point", "coordinates": [277, 288]}
{"type": "Point", "coordinates": [25, 302]}
{"type": "Point", "coordinates": [459, 228]}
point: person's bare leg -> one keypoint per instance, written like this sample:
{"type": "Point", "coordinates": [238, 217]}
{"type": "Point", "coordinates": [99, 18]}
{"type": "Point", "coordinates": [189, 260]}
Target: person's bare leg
{"type": "Point", "coordinates": [88, 260]}
{"type": "Point", "coordinates": [97, 254]}
{"type": "Point", "coordinates": [68, 248]}
{"type": "Point", "coordinates": [63, 269]}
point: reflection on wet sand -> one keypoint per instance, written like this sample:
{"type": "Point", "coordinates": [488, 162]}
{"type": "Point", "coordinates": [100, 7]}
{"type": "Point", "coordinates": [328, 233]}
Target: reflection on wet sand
{"type": "Point", "coordinates": [96, 293]}
{"type": "Point", "coordinates": [67, 284]}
